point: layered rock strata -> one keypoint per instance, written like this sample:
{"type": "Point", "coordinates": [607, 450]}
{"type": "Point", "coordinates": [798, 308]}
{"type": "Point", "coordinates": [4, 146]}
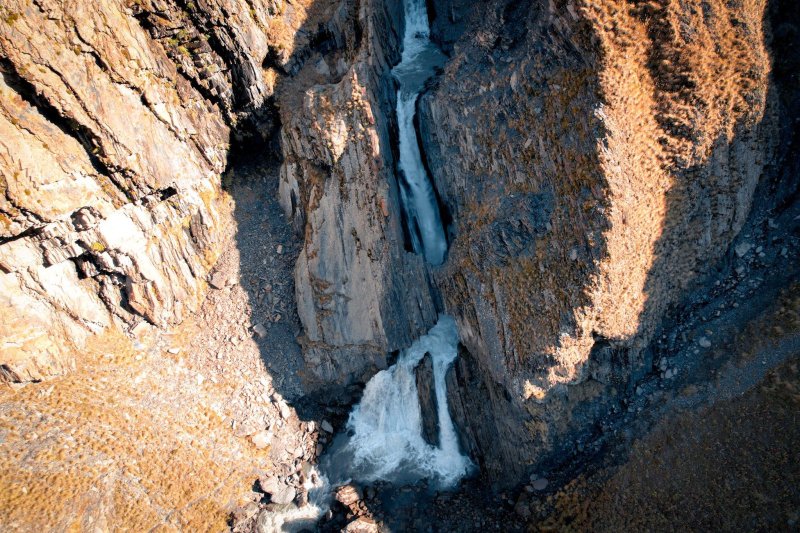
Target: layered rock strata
{"type": "Point", "coordinates": [595, 159]}
{"type": "Point", "coordinates": [360, 294]}
{"type": "Point", "coordinates": [115, 125]}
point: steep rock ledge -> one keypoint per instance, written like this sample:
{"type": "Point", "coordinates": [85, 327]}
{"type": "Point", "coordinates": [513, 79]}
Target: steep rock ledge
{"type": "Point", "coordinates": [596, 159]}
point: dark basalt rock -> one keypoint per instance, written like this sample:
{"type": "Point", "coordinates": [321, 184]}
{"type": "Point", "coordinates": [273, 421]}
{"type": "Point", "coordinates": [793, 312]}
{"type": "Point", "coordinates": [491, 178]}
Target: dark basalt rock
{"type": "Point", "coordinates": [429, 407]}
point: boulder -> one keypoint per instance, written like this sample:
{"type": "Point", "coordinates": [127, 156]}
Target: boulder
{"type": "Point", "coordinates": [348, 495]}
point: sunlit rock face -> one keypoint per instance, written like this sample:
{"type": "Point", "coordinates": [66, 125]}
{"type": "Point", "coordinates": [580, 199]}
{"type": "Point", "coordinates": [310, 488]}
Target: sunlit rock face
{"type": "Point", "coordinates": [596, 157]}
{"type": "Point", "coordinates": [593, 159]}
{"type": "Point", "coordinates": [115, 124]}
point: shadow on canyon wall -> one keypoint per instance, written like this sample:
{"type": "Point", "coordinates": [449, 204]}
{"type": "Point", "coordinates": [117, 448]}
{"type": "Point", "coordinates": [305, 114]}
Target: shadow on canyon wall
{"type": "Point", "coordinates": [775, 193]}
{"type": "Point", "coordinates": [267, 275]}
{"type": "Point", "coordinates": [267, 241]}
{"type": "Point", "coordinates": [769, 222]}
{"type": "Point", "coordinates": [759, 284]}
{"type": "Point", "coordinates": [742, 288]}
{"type": "Point", "coordinates": [489, 409]}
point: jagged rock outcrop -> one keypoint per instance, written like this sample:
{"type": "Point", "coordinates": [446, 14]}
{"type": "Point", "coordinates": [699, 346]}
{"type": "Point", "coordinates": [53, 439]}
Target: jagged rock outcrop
{"type": "Point", "coordinates": [595, 157]}
{"type": "Point", "coordinates": [360, 294]}
{"type": "Point", "coordinates": [115, 119]}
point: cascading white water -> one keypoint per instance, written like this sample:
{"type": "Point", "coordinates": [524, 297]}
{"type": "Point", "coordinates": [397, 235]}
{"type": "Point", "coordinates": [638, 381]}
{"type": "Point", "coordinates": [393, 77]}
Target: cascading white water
{"type": "Point", "coordinates": [384, 432]}
{"type": "Point", "coordinates": [384, 438]}
{"type": "Point", "coordinates": [418, 63]}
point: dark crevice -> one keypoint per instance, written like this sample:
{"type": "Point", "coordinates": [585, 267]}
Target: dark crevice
{"type": "Point", "coordinates": [118, 281]}
{"type": "Point", "coordinates": [324, 41]}
{"type": "Point", "coordinates": [408, 245]}
{"type": "Point", "coordinates": [7, 375]}
{"type": "Point", "coordinates": [30, 232]}
{"type": "Point", "coordinates": [89, 267]}
{"type": "Point", "coordinates": [167, 193]}
{"type": "Point", "coordinates": [272, 60]}
{"type": "Point", "coordinates": [254, 137]}
{"type": "Point", "coordinates": [430, 5]}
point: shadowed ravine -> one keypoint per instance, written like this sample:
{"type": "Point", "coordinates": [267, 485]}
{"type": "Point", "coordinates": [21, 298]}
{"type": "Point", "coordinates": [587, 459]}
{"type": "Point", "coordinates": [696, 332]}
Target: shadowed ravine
{"type": "Point", "coordinates": [383, 439]}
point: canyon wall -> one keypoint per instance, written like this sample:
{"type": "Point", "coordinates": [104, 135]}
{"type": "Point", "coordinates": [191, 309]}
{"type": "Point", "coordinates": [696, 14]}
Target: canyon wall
{"type": "Point", "coordinates": [115, 121]}
{"type": "Point", "coordinates": [596, 158]}
{"type": "Point", "coordinates": [360, 293]}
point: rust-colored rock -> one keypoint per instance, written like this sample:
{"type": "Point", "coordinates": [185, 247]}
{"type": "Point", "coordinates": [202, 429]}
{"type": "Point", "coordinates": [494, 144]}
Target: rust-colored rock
{"type": "Point", "coordinates": [115, 120]}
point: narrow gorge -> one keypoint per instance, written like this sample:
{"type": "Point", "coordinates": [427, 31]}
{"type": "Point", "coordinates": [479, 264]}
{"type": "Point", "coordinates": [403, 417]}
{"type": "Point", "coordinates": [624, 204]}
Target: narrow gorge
{"type": "Point", "coordinates": [418, 265]}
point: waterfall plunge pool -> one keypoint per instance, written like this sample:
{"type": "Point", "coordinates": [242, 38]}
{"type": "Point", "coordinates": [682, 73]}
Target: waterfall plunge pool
{"type": "Point", "coordinates": [383, 438]}
{"type": "Point", "coordinates": [382, 442]}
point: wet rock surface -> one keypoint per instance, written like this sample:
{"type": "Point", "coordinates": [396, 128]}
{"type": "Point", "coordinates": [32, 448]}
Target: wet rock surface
{"type": "Point", "coordinates": [427, 400]}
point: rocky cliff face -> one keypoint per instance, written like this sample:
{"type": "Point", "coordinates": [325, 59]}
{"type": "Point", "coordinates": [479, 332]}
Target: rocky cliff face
{"type": "Point", "coordinates": [596, 158]}
{"type": "Point", "coordinates": [116, 120]}
{"type": "Point", "coordinates": [117, 123]}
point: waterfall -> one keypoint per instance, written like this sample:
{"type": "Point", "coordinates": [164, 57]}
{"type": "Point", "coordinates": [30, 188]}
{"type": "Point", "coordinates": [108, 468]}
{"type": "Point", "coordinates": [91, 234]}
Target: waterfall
{"type": "Point", "coordinates": [383, 438]}
{"type": "Point", "coordinates": [384, 432]}
{"type": "Point", "coordinates": [418, 63]}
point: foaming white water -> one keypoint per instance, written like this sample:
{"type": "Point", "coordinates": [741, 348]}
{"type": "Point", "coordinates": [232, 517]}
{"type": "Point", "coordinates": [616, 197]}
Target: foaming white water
{"type": "Point", "coordinates": [418, 62]}
{"type": "Point", "coordinates": [293, 519]}
{"type": "Point", "coordinates": [386, 427]}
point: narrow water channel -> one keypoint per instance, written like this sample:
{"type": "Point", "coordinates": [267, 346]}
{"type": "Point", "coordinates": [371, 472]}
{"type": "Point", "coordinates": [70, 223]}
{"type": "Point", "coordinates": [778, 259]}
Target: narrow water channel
{"type": "Point", "coordinates": [383, 439]}
{"type": "Point", "coordinates": [419, 61]}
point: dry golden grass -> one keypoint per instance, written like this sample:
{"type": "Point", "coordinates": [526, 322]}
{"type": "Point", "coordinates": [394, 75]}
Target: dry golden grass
{"type": "Point", "coordinates": [729, 466]}
{"type": "Point", "coordinates": [121, 444]}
